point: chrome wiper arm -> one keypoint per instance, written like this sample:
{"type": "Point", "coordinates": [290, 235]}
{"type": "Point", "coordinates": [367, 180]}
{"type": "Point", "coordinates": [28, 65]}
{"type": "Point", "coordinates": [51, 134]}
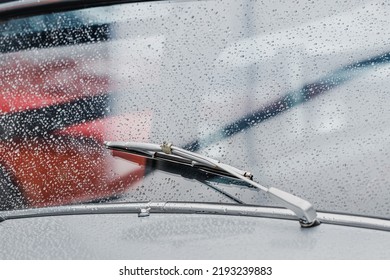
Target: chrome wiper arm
{"type": "Point", "coordinates": [303, 209]}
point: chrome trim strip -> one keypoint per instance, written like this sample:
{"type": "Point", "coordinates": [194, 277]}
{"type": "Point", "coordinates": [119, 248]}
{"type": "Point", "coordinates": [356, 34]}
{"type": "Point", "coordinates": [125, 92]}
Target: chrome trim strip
{"type": "Point", "coordinates": [354, 221]}
{"type": "Point", "coordinates": [196, 208]}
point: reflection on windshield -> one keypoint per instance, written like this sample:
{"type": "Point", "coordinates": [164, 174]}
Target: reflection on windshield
{"type": "Point", "coordinates": [297, 98]}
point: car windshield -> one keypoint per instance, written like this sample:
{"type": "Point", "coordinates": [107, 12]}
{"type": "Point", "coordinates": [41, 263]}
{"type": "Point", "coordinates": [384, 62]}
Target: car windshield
{"type": "Point", "coordinates": [294, 93]}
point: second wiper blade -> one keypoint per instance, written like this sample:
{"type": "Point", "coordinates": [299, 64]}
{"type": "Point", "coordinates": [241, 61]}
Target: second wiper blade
{"type": "Point", "coordinates": [303, 209]}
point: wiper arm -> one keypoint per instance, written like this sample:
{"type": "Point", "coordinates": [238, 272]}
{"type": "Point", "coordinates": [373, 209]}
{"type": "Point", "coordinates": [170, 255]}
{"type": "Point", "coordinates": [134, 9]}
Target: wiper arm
{"type": "Point", "coordinates": [303, 209]}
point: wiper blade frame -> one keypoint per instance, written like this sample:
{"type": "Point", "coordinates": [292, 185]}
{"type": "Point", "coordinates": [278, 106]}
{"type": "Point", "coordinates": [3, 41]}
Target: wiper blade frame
{"type": "Point", "coordinates": [303, 209]}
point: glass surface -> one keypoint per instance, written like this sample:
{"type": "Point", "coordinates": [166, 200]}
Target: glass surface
{"type": "Point", "coordinates": [295, 93]}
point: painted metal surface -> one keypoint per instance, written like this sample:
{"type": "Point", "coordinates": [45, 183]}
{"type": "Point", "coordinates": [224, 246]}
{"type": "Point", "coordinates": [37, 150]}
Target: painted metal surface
{"type": "Point", "coordinates": [184, 236]}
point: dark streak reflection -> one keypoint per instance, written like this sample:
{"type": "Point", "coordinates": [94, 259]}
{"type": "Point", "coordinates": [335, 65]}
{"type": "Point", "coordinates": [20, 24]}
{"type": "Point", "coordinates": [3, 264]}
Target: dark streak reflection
{"type": "Point", "coordinates": [289, 100]}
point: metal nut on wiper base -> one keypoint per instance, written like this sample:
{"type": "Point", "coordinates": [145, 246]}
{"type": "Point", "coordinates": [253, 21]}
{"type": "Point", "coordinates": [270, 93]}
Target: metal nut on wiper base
{"type": "Point", "coordinates": [306, 224]}
{"type": "Point", "coordinates": [303, 209]}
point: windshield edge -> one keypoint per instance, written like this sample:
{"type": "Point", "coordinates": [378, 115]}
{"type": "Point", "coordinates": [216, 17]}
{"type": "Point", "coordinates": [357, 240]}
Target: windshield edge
{"type": "Point", "coordinates": [144, 209]}
{"type": "Point", "coordinates": [20, 9]}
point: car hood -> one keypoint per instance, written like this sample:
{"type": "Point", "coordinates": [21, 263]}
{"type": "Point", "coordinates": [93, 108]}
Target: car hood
{"type": "Point", "coordinates": [185, 235]}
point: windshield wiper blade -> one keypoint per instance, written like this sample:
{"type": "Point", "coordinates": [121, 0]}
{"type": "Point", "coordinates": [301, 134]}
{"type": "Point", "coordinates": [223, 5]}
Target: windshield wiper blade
{"type": "Point", "coordinates": [303, 209]}
{"type": "Point", "coordinates": [153, 151]}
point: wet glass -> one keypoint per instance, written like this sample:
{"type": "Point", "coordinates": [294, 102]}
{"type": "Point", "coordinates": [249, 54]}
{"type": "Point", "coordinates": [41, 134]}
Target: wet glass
{"type": "Point", "coordinates": [297, 94]}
